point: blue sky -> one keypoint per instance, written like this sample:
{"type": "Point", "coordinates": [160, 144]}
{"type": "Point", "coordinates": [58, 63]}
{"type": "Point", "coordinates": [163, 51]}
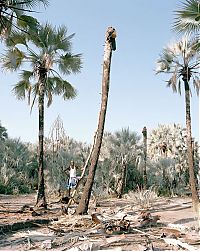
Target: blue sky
{"type": "Point", "coordinates": [137, 96]}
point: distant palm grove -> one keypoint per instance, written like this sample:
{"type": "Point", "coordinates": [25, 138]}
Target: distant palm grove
{"type": "Point", "coordinates": [165, 159]}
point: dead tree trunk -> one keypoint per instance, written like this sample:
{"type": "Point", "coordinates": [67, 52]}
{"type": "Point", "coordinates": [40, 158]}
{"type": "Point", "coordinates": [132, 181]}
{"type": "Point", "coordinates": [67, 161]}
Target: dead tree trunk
{"type": "Point", "coordinates": [144, 132]}
{"type": "Point", "coordinates": [122, 184]}
{"type": "Point", "coordinates": [109, 46]}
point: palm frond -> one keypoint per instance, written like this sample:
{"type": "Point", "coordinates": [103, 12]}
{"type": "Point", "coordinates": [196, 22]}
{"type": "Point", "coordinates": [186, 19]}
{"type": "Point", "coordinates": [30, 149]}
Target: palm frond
{"type": "Point", "coordinates": [163, 63]}
{"type": "Point", "coordinates": [5, 26]}
{"type": "Point", "coordinates": [61, 40]}
{"type": "Point", "coordinates": [26, 75]}
{"type": "Point", "coordinates": [196, 84]}
{"type": "Point", "coordinates": [61, 87]}
{"type": "Point", "coordinates": [28, 22]}
{"type": "Point", "coordinates": [43, 37]}
{"type": "Point", "coordinates": [16, 37]}
{"type": "Point", "coordinates": [21, 88]}
{"type": "Point", "coordinates": [70, 63]}
{"type": "Point", "coordinates": [188, 18]}
{"type": "Point", "coordinates": [27, 3]}
{"type": "Point", "coordinates": [172, 82]}
{"type": "Point", "coordinates": [49, 99]}
{"type": "Point", "coordinates": [35, 91]}
{"type": "Point", "coordinates": [13, 59]}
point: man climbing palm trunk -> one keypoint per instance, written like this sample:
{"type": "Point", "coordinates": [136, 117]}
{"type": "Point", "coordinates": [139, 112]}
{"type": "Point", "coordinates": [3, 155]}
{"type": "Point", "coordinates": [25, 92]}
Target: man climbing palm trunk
{"type": "Point", "coordinates": [109, 46]}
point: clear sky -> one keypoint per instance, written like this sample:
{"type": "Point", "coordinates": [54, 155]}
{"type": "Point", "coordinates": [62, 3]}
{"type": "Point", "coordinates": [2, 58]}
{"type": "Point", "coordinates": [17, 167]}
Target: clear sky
{"type": "Point", "coordinates": [137, 96]}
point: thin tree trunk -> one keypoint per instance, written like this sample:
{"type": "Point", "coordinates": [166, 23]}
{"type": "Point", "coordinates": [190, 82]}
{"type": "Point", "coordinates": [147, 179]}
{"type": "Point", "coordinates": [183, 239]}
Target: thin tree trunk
{"type": "Point", "coordinates": [41, 199]}
{"type": "Point", "coordinates": [144, 132]}
{"type": "Point", "coordinates": [84, 201]}
{"type": "Point", "coordinates": [123, 180]}
{"type": "Point", "coordinates": [192, 178]}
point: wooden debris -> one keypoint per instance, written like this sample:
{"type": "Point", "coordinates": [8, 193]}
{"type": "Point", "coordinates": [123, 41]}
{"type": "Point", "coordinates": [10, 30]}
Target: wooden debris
{"type": "Point", "coordinates": [179, 243]}
{"type": "Point", "coordinates": [34, 213]}
{"type": "Point", "coordinates": [113, 249]}
{"type": "Point", "coordinates": [171, 233]}
{"type": "Point", "coordinates": [192, 238]}
{"type": "Point", "coordinates": [95, 219]}
{"type": "Point", "coordinates": [64, 210]}
{"type": "Point", "coordinates": [113, 225]}
{"type": "Point", "coordinates": [116, 238]}
{"type": "Point", "coordinates": [147, 220]}
{"type": "Point", "coordinates": [47, 244]}
{"type": "Point", "coordinates": [145, 248]}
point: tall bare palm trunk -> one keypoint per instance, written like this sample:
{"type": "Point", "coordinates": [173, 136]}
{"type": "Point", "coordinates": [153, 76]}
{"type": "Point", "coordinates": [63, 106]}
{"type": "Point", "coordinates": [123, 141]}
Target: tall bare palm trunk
{"type": "Point", "coordinates": [192, 178]}
{"type": "Point", "coordinates": [41, 199]}
{"type": "Point", "coordinates": [84, 201]}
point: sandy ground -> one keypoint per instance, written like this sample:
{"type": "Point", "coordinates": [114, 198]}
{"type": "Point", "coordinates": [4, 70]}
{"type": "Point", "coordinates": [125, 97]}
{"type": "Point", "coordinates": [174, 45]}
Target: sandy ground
{"type": "Point", "coordinates": [70, 232]}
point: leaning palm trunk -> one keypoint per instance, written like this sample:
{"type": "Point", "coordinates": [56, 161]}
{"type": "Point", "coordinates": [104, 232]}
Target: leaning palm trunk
{"type": "Point", "coordinates": [41, 199]}
{"type": "Point", "coordinates": [84, 201]}
{"type": "Point", "coordinates": [192, 179]}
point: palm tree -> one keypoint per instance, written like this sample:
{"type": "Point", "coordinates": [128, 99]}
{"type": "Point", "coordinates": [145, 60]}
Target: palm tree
{"type": "Point", "coordinates": [43, 79]}
{"type": "Point", "coordinates": [180, 59]}
{"type": "Point", "coordinates": [12, 14]}
{"type": "Point", "coordinates": [188, 18]}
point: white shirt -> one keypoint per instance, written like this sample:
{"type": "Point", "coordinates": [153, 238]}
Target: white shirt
{"type": "Point", "coordinates": [72, 172]}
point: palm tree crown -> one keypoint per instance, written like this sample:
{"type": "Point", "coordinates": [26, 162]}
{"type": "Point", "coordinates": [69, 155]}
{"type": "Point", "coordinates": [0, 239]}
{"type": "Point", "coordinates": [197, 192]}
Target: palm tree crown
{"type": "Point", "coordinates": [12, 14]}
{"type": "Point", "coordinates": [181, 60]}
{"type": "Point", "coordinates": [51, 53]}
{"type": "Point", "coordinates": [188, 18]}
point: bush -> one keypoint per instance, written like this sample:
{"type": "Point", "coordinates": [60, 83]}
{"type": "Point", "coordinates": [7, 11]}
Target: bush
{"type": "Point", "coordinates": [143, 198]}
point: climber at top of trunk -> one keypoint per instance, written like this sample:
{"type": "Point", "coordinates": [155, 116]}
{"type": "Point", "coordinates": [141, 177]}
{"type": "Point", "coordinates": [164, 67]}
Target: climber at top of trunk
{"type": "Point", "coordinates": [111, 35]}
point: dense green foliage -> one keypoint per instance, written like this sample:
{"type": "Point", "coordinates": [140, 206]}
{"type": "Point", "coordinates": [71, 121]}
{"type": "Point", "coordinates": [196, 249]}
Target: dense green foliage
{"type": "Point", "coordinates": [18, 167]}
{"type": "Point", "coordinates": [167, 167]}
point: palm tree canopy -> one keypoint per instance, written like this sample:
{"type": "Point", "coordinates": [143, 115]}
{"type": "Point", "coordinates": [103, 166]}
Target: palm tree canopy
{"type": "Point", "coordinates": [47, 50]}
{"type": "Point", "coordinates": [13, 14]}
{"type": "Point", "coordinates": [122, 144]}
{"type": "Point", "coordinates": [181, 60]}
{"type": "Point", "coordinates": [188, 18]}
